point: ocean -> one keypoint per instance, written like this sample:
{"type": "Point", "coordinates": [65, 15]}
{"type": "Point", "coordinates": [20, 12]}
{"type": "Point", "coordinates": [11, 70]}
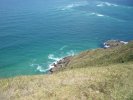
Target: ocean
{"type": "Point", "coordinates": [36, 33]}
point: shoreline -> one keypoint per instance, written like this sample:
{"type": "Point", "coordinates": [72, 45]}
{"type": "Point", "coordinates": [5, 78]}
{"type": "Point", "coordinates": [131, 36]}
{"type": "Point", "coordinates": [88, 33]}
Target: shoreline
{"type": "Point", "coordinates": [62, 63]}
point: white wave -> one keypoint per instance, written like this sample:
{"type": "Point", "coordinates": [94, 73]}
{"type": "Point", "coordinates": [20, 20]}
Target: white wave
{"type": "Point", "coordinates": [124, 42]}
{"type": "Point", "coordinates": [62, 48]}
{"type": "Point", "coordinates": [39, 68]}
{"type": "Point", "coordinates": [97, 14]}
{"type": "Point", "coordinates": [100, 15]}
{"type": "Point", "coordinates": [101, 4]}
{"type": "Point", "coordinates": [71, 53]}
{"type": "Point", "coordinates": [76, 4]}
{"type": "Point", "coordinates": [51, 64]}
{"type": "Point", "coordinates": [55, 60]}
{"type": "Point", "coordinates": [52, 57]}
{"type": "Point", "coordinates": [107, 46]}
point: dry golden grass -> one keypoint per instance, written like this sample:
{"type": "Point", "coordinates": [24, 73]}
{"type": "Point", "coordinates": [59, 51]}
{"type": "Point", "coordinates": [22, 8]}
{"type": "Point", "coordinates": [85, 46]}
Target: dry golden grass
{"type": "Point", "coordinates": [114, 82]}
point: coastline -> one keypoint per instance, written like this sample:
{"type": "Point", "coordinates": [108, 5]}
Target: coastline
{"type": "Point", "coordinates": [62, 63]}
{"type": "Point", "coordinates": [99, 73]}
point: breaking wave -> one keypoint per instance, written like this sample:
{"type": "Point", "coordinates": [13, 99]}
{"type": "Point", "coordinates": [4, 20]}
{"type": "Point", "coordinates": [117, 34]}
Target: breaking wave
{"type": "Point", "coordinates": [76, 4]}
{"type": "Point", "coordinates": [96, 14]}
{"type": "Point", "coordinates": [102, 4]}
{"type": "Point", "coordinates": [62, 48]}
{"type": "Point", "coordinates": [101, 15]}
{"type": "Point", "coordinates": [52, 57]}
{"type": "Point", "coordinates": [51, 60]}
{"type": "Point", "coordinates": [107, 46]}
{"type": "Point", "coordinates": [56, 59]}
{"type": "Point", "coordinates": [39, 68]}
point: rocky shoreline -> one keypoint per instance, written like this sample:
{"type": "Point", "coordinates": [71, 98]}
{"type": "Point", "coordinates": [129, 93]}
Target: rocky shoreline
{"type": "Point", "coordinates": [64, 61]}
{"type": "Point", "coordinates": [60, 64]}
{"type": "Point", "coordinates": [114, 43]}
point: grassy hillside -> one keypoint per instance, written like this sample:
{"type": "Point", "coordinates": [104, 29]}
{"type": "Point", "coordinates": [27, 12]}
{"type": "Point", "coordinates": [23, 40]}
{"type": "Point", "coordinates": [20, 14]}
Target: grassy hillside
{"type": "Point", "coordinates": [120, 54]}
{"type": "Point", "coordinates": [101, 74]}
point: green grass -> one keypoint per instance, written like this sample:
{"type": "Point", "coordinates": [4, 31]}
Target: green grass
{"type": "Point", "coordinates": [120, 54]}
{"type": "Point", "coordinates": [101, 74]}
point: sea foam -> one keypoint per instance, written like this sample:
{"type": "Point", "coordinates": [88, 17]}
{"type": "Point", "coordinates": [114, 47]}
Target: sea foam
{"type": "Point", "coordinates": [124, 42]}
{"type": "Point", "coordinates": [52, 57]}
{"type": "Point", "coordinates": [73, 5]}
{"type": "Point", "coordinates": [56, 59]}
{"type": "Point", "coordinates": [101, 4]}
{"type": "Point", "coordinates": [107, 46]}
{"type": "Point", "coordinates": [96, 14]}
{"type": "Point", "coordinates": [39, 68]}
{"type": "Point", "coordinates": [62, 48]}
{"type": "Point", "coordinates": [51, 60]}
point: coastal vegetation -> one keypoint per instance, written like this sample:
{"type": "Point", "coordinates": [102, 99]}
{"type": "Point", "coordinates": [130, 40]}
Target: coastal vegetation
{"type": "Point", "coordinates": [100, 74]}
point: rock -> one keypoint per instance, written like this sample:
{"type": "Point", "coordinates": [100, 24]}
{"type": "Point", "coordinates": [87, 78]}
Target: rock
{"type": "Point", "coordinates": [61, 63]}
{"type": "Point", "coordinates": [113, 43]}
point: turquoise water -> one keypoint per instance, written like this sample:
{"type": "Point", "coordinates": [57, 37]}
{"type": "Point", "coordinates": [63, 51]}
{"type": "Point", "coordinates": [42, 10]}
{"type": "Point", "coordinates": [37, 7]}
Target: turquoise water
{"type": "Point", "coordinates": [35, 33]}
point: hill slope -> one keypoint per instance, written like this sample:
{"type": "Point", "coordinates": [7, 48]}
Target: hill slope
{"type": "Point", "coordinates": [101, 74]}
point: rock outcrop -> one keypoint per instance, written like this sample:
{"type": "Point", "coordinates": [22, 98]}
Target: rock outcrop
{"type": "Point", "coordinates": [113, 43]}
{"type": "Point", "coordinates": [60, 64]}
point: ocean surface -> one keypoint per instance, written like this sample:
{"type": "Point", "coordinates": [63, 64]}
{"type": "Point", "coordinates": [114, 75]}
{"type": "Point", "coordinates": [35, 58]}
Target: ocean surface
{"type": "Point", "coordinates": [36, 33]}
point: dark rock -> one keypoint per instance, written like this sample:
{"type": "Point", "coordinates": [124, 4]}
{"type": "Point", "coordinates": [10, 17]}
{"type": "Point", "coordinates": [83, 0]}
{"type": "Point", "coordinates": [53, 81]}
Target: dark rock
{"type": "Point", "coordinates": [61, 63]}
{"type": "Point", "coordinates": [113, 43]}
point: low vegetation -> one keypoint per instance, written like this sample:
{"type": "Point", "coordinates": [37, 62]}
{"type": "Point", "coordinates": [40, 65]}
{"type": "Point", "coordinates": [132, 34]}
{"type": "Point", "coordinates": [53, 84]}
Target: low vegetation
{"type": "Point", "coordinates": [101, 74]}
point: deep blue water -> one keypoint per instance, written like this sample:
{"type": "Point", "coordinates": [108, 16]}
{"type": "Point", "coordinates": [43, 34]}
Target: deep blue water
{"type": "Point", "coordinates": [35, 33]}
